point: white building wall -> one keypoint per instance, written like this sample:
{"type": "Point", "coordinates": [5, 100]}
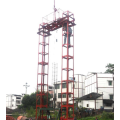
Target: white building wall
{"type": "Point", "coordinates": [90, 84]}
{"type": "Point", "coordinates": [108, 107]}
{"type": "Point", "coordinates": [85, 102]}
{"type": "Point", "coordinates": [106, 92]}
{"type": "Point", "coordinates": [12, 102]}
{"type": "Point", "coordinates": [80, 83]}
{"type": "Point", "coordinates": [45, 88]}
{"type": "Point", "coordinates": [91, 103]}
{"type": "Point", "coordinates": [99, 103]}
{"type": "Point", "coordinates": [99, 83]}
{"type": "Point", "coordinates": [104, 87]}
{"type": "Point", "coordinates": [64, 90]}
{"type": "Point", "coordinates": [81, 89]}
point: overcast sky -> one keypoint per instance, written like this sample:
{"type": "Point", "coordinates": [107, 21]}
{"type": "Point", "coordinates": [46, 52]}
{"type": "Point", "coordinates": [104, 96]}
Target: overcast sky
{"type": "Point", "coordinates": [96, 39]}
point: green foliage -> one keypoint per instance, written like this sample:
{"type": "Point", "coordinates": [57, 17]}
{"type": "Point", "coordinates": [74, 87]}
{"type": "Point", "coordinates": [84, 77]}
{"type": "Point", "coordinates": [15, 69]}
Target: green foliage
{"type": "Point", "coordinates": [103, 116]}
{"type": "Point", "coordinates": [55, 114]}
{"type": "Point", "coordinates": [107, 115]}
{"type": "Point", "coordinates": [31, 112]}
{"type": "Point", "coordinates": [110, 68]}
{"type": "Point", "coordinates": [26, 101]}
{"type": "Point", "coordinates": [15, 115]}
{"type": "Point", "coordinates": [20, 106]}
{"type": "Point", "coordinates": [33, 99]}
{"type": "Point", "coordinates": [82, 108]}
{"type": "Point", "coordinates": [30, 100]}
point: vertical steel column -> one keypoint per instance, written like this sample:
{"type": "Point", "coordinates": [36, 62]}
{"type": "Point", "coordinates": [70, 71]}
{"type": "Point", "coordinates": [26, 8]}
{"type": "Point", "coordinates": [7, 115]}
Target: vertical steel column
{"type": "Point", "coordinates": [73, 69]}
{"type": "Point", "coordinates": [97, 82]}
{"type": "Point", "coordinates": [48, 70]}
{"type": "Point", "coordinates": [37, 74]}
{"type": "Point", "coordinates": [67, 72]}
{"type": "Point", "coordinates": [78, 86]}
{"type": "Point", "coordinates": [41, 93]}
{"type": "Point", "coordinates": [67, 69]}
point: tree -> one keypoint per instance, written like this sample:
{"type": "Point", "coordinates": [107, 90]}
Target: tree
{"type": "Point", "coordinates": [30, 100]}
{"type": "Point", "coordinates": [110, 68]}
{"type": "Point", "coordinates": [26, 101]}
{"type": "Point", "coordinates": [31, 112]}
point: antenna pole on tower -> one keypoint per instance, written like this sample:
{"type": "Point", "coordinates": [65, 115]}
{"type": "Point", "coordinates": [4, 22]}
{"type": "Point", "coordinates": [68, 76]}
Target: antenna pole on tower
{"type": "Point", "coordinates": [54, 11]}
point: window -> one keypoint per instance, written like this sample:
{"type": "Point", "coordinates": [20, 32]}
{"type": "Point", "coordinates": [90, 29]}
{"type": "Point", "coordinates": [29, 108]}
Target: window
{"type": "Point", "coordinates": [71, 78]}
{"type": "Point", "coordinates": [57, 86]}
{"type": "Point", "coordinates": [64, 103]}
{"type": "Point", "coordinates": [64, 85]}
{"type": "Point", "coordinates": [18, 98]}
{"type": "Point", "coordinates": [59, 95]}
{"type": "Point", "coordinates": [50, 87]}
{"type": "Point", "coordinates": [111, 97]}
{"type": "Point", "coordinates": [17, 102]}
{"type": "Point", "coordinates": [108, 104]}
{"type": "Point", "coordinates": [87, 105]}
{"type": "Point", "coordinates": [109, 83]}
{"type": "Point", "coordinates": [63, 95]}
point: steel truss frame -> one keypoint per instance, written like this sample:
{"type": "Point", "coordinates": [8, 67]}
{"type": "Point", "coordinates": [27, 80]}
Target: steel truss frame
{"type": "Point", "coordinates": [44, 32]}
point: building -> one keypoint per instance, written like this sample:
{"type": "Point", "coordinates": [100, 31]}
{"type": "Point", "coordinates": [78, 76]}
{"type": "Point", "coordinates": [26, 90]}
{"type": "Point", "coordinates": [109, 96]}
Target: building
{"type": "Point", "coordinates": [50, 88]}
{"type": "Point", "coordinates": [94, 90]}
{"type": "Point", "coordinates": [13, 100]}
{"type": "Point", "coordinates": [99, 91]}
{"type": "Point", "coordinates": [79, 90]}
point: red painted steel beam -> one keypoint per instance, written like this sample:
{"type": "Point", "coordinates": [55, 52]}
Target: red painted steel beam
{"type": "Point", "coordinates": [44, 31]}
{"type": "Point", "coordinates": [41, 63]}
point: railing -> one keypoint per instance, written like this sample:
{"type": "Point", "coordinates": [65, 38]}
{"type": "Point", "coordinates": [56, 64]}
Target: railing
{"type": "Point", "coordinates": [52, 16]}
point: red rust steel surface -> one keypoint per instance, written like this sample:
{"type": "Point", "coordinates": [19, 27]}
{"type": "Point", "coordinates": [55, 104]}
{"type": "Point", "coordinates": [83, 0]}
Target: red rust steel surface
{"type": "Point", "coordinates": [67, 69]}
{"type": "Point", "coordinates": [41, 64]}
{"type": "Point", "coordinates": [44, 31]}
{"type": "Point", "coordinates": [9, 118]}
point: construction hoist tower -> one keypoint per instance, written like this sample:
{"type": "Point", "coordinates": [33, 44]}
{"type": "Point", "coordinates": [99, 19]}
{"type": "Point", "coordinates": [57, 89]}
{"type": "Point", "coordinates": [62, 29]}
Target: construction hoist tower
{"type": "Point", "coordinates": [44, 33]}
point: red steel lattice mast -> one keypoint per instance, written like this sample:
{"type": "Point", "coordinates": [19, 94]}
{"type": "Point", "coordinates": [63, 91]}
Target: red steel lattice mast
{"type": "Point", "coordinates": [42, 74]}
{"type": "Point", "coordinates": [44, 32]}
{"type": "Point", "coordinates": [66, 103]}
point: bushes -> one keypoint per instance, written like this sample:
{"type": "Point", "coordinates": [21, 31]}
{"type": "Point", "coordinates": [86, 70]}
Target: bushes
{"type": "Point", "coordinates": [15, 115]}
{"type": "Point", "coordinates": [107, 115]}
{"type": "Point", "coordinates": [31, 112]}
{"type": "Point", "coordinates": [103, 116]}
{"type": "Point", "coordinates": [30, 100]}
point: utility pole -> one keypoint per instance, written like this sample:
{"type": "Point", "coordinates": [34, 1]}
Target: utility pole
{"type": "Point", "coordinates": [54, 11]}
{"type": "Point", "coordinates": [26, 87]}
